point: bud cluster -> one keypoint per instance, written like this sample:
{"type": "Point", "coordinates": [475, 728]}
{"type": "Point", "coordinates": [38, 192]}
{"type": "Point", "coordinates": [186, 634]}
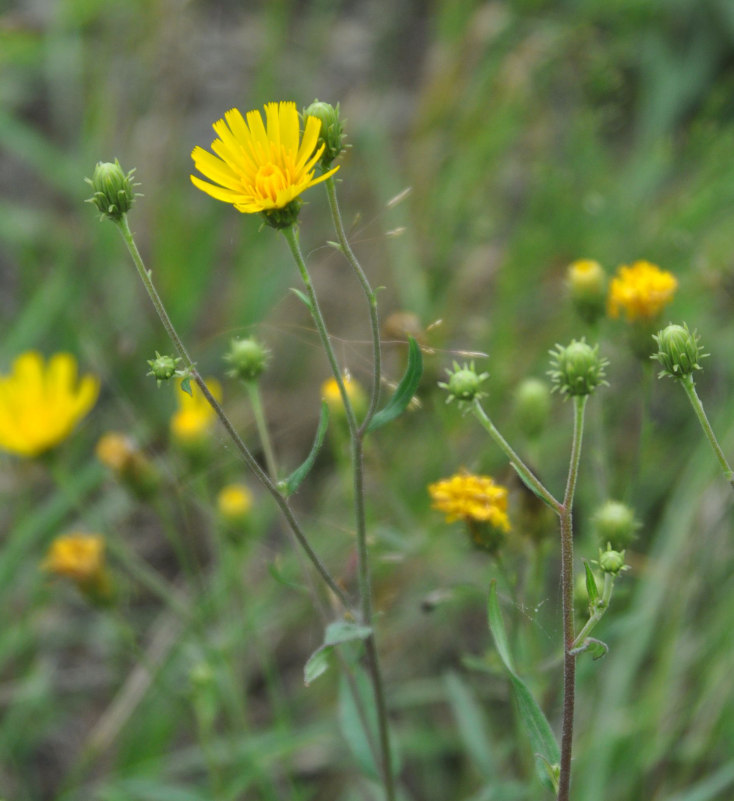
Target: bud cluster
{"type": "Point", "coordinates": [248, 359]}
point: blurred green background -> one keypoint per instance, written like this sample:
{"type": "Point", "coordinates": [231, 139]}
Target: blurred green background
{"type": "Point", "coordinates": [529, 134]}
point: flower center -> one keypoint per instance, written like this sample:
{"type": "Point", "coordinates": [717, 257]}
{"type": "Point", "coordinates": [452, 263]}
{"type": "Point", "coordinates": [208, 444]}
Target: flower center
{"type": "Point", "coordinates": [270, 180]}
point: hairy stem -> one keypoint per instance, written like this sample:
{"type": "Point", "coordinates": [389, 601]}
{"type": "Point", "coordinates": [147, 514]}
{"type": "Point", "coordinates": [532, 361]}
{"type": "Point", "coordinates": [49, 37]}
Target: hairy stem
{"type": "Point", "coordinates": [569, 659]}
{"type": "Point", "coordinates": [690, 388]}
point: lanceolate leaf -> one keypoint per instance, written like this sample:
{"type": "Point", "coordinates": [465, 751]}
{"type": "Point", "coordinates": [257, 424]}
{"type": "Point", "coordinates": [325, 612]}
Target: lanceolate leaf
{"type": "Point", "coordinates": [291, 484]}
{"type": "Point", "coordinates": [591, 588]}
{"type": "Point", "coordinates": [340, 631]}
{"type": "Point", "coordinates": [402, 396]}
{"type": "Point", "coordinates": [540, 734]}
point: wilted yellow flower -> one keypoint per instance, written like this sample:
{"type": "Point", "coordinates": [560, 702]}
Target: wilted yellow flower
{"type": "Point", "coordinates": [191, 423]}
{"type": "Point", "coordinates": [234, 502]}
{"type": "Point", "coordinates": [330, 393]}
{"type": "Point", "coordinates": [257, 168]}
{"type": "Point", "coordinates": [472, 498]}
{"type": "Point", "coordinates": [641, 290]}
{"type": "Point", "coordinates": [81, 558]}
{"type": "Point", "coordinates": [40, 404]}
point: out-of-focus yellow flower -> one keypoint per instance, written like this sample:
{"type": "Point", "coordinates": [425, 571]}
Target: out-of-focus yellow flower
{"type": "Point", "coordinates": [640, 290]}
{"type": "Point", "coordinates": [122, 456]}
{"type": "Point", "coordinates": [330, 393]}
{"type": "Point", "coordinates": [258, 168]}
{"type": "Point", "coordinates": [234, 503]}
{"type": "Point", "coordinates": [190, 425]}
{"type": "Point", "coordinates": [41, 403]}
{"type": "Point", "coordinates": [81, 558]}
{"type": "Point", "coordinates": [469, 497]}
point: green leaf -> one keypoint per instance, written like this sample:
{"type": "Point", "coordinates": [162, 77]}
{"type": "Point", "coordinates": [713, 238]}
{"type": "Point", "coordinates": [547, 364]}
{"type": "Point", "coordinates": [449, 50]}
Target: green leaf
{"type": "Point", "coordinates": [302, 298]}
{"type": "Point", "coordinates": [472, 727]}
{"type": "Point", "coordinates": [591, 587]}
{"type": "Point", "coordinates": [362, 744]}
{"type": "Point", "coordinates": [344, 631]}
{"type": "Point", "coordinates": [402, 396]}
{"type": "Point", "coordinates": [540, 734]}
{"type": "Point", "coordinates": [542, 740]}
{"type": "Point", "coordinates": [317, 664]}
{"type": "Point", "coordinates": [340, 631]}
{"type": "Point", "coordinates": [291, 484]}
{"type": "Point", "coordinates": [186, 386]}
{"type": "Point", "coordinates": [497, 627]}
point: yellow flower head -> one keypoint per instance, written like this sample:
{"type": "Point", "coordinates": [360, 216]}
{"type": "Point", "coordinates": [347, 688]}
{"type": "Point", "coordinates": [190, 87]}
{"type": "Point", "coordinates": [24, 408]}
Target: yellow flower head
{"type": "Point", "coordinates": [191, 423]}
{"type": "Point", "coordinates": [77, 556]}
{"type": "Point", "coordinates": [330, 393]}
{"type": "Point", "coordinates": [641, 290]}
{"type": "Point", "coordinates": [474, 499]}
{"type": "Point", "coordinates": [258, 168]}
{"type": "Point", "coordinates": [234, 502]}
{"type": "Point", "coordinates": [81, 558]}
{"type": "Point", "coordinates": [41, 403]}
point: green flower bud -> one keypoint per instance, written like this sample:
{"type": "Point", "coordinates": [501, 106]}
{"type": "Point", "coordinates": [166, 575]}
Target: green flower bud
{"type": "Point", "coordinates": [163, 368]}
{"type": "Point", "coordinates": [678, 351]}
{"type": "Point", "coordinates": [332, 131]}
{"type": "Point", "coordinates": [463, 383]}
{"type": "Point", "coordinates": [577, 369]}
{"type": "Point", "coordinates": [248, 359]}
{"type": "Point", "coordinates": [587, 286]}
{"type": "Point", "coordinates": [532, 406]}
{"type": "Point", "coordinates": [615, 523]}
{"type": "Point", "coordinates": [611, 561]}
{"type": "Point", "coordinates": [113, 190]}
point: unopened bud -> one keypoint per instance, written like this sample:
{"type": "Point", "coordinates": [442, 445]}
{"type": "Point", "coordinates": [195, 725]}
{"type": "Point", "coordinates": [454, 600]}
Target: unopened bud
{"type": "Point", "coordinates": [248, 359]}
{"type": "Point", "coordinates": [587, 286]}
{"type": "Point", "coordinates": [464, 383]}
{"type": "Point", "coordinates": [113, 189]}
{"type": "Point", "coordinates": [577, 369]}
{"type": "Point", "coordinates": [611, 561]}
{"type": "Point", "coordinates": [332, 130]}
{"type": "Point", "coordinates": [162, 368]}
{"type": "Point", "coordinates": [532, 406]}
{"type": "Point", "coordinates": [678, 351]}
{"type": "Point", "coordinates": [615, 523]}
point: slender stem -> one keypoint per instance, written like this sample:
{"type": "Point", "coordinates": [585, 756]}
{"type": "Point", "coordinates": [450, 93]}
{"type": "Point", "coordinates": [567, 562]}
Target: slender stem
{"type": "Point", "coordinates": [253, 390]}
{"type": "Point", "coordinates": [356, 436]}
{"type": "Point", "coordinates": [690, 387]}
{"type": "Point", "coordinates": [291, 237]}
{"type": "Point", "coordinates": [569, 659]}
{"type": "Point", "coordinates": [369, 295]}
{"type": "Point", "coordinates": [526, 474]}
{"type": "Point", "coordinates": [244, 452]}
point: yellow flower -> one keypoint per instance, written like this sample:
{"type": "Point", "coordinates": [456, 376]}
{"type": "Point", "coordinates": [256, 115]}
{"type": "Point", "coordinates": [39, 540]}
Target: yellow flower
{"type": "Point", "coordinates": [330, 393]}
{"type": "Point", "coordinates": [234, 503]}
{"type": "Point", "coordinates": [81, 558]}
{"type": "Point", "coordinates": [474, 499]}
{"type": "Point", "coordinates": [40, 404]}
{"type": "Point", "coordinates": [191, 423]}
{"type": "Point", "coordinates": [257, 168]}
{"type": "Point", "coordinates": [641, 290]}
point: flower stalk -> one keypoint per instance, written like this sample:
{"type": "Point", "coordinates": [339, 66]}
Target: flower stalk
{"type": "Point", "coordinates": [249, 459]}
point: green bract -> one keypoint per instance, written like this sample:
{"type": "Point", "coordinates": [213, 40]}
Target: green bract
{"type": "Point", "coordinates": [678, 351]}
{"type": "Point", "coordinates": [577, 369]}
{"type": "Point", "coordinates": [113, 189]}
